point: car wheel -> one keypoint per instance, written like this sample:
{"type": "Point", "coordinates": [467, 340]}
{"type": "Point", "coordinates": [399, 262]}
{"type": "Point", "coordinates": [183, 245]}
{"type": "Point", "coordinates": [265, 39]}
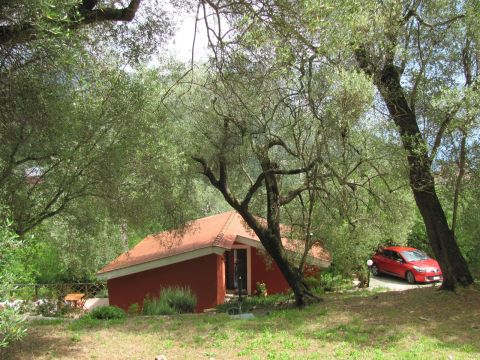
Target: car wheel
{"type": "Point", "coordinates": [410, 278]}
{"type": "Point", "coordinates": [375, 271]}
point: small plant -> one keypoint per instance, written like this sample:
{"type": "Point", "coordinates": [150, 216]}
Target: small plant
{"type": "Point", "coordinates": [261, 289]}
{"type": "Point", "coordinates": [133, 309]}
{"type": "Point", "coordinates": [107, 313]}
{"type": "Point", "coordinates": [46, 308]}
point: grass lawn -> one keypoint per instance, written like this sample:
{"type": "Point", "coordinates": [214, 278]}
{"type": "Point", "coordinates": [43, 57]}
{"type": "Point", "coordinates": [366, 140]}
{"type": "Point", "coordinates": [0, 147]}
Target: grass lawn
{"type": "Point", "coordinates": [416, 324]}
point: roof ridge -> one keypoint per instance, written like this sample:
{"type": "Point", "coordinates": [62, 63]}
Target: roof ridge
{"type": "Point", "coordinates": [221, 234]}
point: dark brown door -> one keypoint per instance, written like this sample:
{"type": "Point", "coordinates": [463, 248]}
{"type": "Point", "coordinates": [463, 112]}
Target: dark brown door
{"type": "Point", "coordinates": [236, 268]}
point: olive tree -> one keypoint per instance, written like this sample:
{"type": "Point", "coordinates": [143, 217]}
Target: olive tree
{"type": "Point", "coordinates": [422, 57]}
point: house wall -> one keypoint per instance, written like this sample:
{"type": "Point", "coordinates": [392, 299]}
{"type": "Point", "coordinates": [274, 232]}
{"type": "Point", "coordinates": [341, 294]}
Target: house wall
{"type": "Point", "coordinates": [265, 270]}
{"type": "Point", "coordinates": [204, 275]}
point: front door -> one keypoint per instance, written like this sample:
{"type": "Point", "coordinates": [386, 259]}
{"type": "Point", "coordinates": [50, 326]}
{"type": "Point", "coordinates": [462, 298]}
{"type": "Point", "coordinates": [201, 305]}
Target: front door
{"type": "Point", "coordinates": [236, 269]}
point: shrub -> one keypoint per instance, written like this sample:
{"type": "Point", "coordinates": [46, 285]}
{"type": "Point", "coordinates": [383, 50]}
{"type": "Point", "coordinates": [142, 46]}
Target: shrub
{"type": "Point", "coordinates": [107, 313]}
{"type": "Point", "coordinates": [172, 300]}
{"type": "Point", "coordinates": [46, 308]}
{"type": "Point", "coordinates": [313, 282]}
{"type": "Point", "coordinates": [156, 306]}
{"type": "Point", "coordinates": [12, 325]}
{"type": "Point", "coordinates": [181, 299]}
{"type": "Point", "coordinates": [133, 309]}
{"type": "Point", "coordinates": [333, 280]}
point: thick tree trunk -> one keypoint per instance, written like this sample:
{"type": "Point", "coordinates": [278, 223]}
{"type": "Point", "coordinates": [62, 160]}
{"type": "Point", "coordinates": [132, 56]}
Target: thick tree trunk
{"type": "Point", "coordinates": [454, 267]}
{"type": "Point", "coordinates": [269, 235]}
{"type": "Point", "coordinates": [271, 238]}
{"type": "Point", "coordinates": [271, 242]}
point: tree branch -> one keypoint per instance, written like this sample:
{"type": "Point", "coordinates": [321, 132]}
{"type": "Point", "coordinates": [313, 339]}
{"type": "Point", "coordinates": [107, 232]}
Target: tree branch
{"type": "Point", "coordinates": [83, 14]}
{"type": "Point", "coordinates": [292, 195]}
{"type": "Point", "coordinates": [253, 189]}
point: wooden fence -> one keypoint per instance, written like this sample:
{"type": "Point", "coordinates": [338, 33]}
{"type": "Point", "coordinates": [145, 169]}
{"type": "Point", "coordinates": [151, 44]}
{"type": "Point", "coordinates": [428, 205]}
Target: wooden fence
{"type": "Point", "coordinates": [58, 291]}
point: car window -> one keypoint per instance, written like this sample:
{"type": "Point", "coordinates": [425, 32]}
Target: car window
{"type": "Point", "coordinates": [414, 255]}
{"type": "Point", "coordinates": [387, 253]}
{"type": "Point", "coordinates": [396, 256]}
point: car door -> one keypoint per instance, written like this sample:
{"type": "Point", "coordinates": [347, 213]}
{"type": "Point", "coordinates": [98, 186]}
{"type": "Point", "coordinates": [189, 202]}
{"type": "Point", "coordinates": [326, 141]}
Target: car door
{"type": "Point", "coordinates": [397, 264]}
{"type": "Point", "coordinates": [386, 261]}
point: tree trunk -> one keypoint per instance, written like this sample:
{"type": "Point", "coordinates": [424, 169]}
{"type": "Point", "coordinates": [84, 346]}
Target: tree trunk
{"type": "Point", "coordinates": [269, 235]}
{"type": "Point", "coordinates": [442, 240]}
{"type": "Point", "coordinates": [271, 243]}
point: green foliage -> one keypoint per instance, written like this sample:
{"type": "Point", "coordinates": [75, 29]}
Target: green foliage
{"type": "Point", "coordinates": [174, 300]}
{"type": "Point", "coordinates": [313, 282]}
{"type": "Point", "coordinates": [133, 309]}
{"type": "Point", "coordinates": [127, 175]}
{"type": "Point", "coordinates": [47, 308]}
{"type": "Point", "coordinates": [156, 306]}
{"type": "Point", "coordinates": [12, 326]}
{"type": "Point", "coordinates": [418, 237]}
{"type": "Point", "coordinates": [181, 299]}
{"type": "Point", "coordinates": [107, 313]}
{"type": "Point", "coordinates": [87, 322]}
{"type": "Point", "coordinates": [261, 288]}
{"type": "Point", "coordinates": [334, 280]}
{"type": "Point", "coordinates": [269, 302]}
{"type": "Point", "coordinates": [102, 293]}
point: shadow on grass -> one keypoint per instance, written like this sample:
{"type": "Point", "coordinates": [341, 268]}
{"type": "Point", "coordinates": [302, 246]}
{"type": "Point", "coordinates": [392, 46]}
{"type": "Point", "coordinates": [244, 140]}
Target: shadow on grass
{"type": "Point", "coordinates": [40, 342]}
{"type": "Point", "coordinates": [406, 325]}
{"type": "Point", "coordinates": [423, 320]}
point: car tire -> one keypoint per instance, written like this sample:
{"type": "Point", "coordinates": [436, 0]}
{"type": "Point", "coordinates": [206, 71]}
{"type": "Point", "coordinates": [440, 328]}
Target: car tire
{"type": "Point", "coordinates": [410, 277]}
{"type": "Point", "coordinates": [375, 270]}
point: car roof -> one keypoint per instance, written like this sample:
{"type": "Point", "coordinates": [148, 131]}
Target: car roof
{"type": "Point", "coordinates": [399, 248]}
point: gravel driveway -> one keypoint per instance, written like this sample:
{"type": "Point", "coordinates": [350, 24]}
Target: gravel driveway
{"type": "Point", "coordinates": [394, 283]}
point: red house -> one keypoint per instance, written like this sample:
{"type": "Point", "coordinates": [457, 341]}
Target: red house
{"type": "Point", "coordinates": [209, 256]}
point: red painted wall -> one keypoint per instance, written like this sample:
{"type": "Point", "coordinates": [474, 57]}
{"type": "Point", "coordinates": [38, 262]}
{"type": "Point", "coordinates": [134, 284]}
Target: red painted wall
{"type": "Point", "coordinates": [270, 274]}
{"type": "Point", "coordinates": [204, 275]}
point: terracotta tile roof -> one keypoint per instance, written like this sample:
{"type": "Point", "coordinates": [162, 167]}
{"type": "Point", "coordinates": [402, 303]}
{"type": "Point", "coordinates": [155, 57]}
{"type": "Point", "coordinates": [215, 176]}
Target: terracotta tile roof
{"type": "Point", "coordinates": [213, 231]}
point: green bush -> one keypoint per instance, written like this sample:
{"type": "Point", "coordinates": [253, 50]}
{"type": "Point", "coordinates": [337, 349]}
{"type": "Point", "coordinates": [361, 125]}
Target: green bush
{"type": "Point", "coordinates": [12, 324]}
{"type": "Point", "coordinates": [133, 309]}
{"type": "Point", "coordinates": [12, 327]}
{"type": "Point", "coordinates": [312, 282]}
{"type": "Point", "coordinates": [107, 313]}
{"type": "Point", "coordinates": [46, 308]}
{"type": "Point", "coordinates": [175, 300]}
{"type": "Point", "coordinates": [182, 299]}
{"type": "Point", "coordinates": [157, 306]}
{"type": "Point", "coordinates": [334, 280]}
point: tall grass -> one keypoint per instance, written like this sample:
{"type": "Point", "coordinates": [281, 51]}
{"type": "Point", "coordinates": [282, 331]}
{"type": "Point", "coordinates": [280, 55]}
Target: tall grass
{"type": "Point", "coordinates": [172, 300]}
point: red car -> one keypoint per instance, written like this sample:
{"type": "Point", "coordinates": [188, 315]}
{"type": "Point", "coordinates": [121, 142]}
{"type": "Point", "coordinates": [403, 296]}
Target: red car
{"type": "Point", "coordinates": [408, 263]}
